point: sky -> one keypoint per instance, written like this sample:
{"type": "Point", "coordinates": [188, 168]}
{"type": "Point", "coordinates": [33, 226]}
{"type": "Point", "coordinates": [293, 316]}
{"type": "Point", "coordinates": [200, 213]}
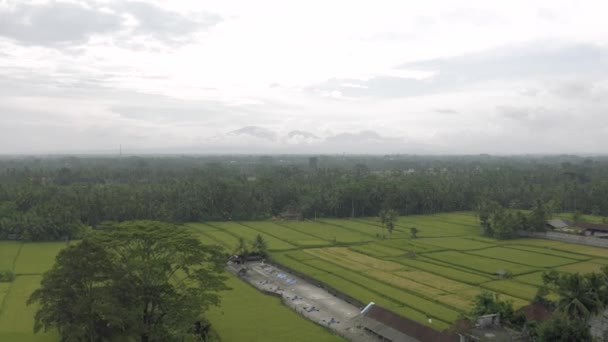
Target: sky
{"type": "Point", "coordinates": [332, 76]}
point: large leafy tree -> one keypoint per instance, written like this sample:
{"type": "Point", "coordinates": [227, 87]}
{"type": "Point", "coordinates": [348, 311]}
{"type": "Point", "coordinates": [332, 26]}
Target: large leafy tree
{"type": "Point", "coordinates": [74, 296]}
{"type": "Point", "coordinates": [157, 278]}
{"type": "Point", "coordinates": [561, 329]}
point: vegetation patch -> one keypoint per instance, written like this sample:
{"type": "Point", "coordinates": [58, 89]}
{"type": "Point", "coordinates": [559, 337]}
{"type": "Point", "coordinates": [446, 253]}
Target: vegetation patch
{"type": "Point", "coordinates": [523, 257]}
{"type": "Point", "coordinates": [489, 266]}
{"type": "Point", "coordinates": [456, 243]}
{"type": "Point", "coordinates": [339, 255]}
{"type": "Point", "coordinates": [37, 258]}
{"type": "Point", "coordinates": [8, 253]}
{"type": "Point", "coordinates": [550, 251]}
{"type": "Point", "coordinates": [378, 250]}
{"type": "Point", "coordinates": [581, 267]}
{"type": "Point", "coordinates": [248, 315]}
{"type": "Point", "coordinates": [444, 271]}
{"type": "Point", "coordinates": [512, 288]}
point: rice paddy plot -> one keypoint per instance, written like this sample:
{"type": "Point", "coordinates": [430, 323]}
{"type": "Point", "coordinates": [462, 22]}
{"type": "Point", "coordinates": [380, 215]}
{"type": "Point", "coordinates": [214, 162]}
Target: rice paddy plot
{"type": "Point", "coordinates": [534, 279]}
{"type": "Point", "coordinates": [478, 263]}
{"type": "Point", "coordinates": [370, 229]}
{"type": "Point", "coordinates": [428, 306]}
{"type": "Point", "coordinates": [550, 251]}
{"type": "Point", "coordinates": [456, 243]}
{"type": "Point", "coordinates": [405, 283]}
{"type": "Point", "coordinates": [439, 282]}
{"type": "Point", "coordinates": [340, 254]}
{"type": "Point", "coordinates": [512, 288]}
{"type": "Point", "coordinates": [583, 249]}
{"type": "Point", "coordinates": [438, 224]}
{"type": "Point", "coordinates": [301, 255]}
{"type": "Point", "coordinates": [16, 315]}
{"type": "Point", "coordinates": [459, 217]}
{"type": "Point", "coordinates": [523, 257]}
{"type": "Point", "coordinates": [445, 271]}
{"type": "Point", "coordinates": [227, 240]}
{"type": "Point", "coordinates": [4, 287]}
{"type": "Point", "coordinates": [8, 253]}
{"type": "Point", "coordinates": [250, 234]}
{"type": "Point", "coordinates": [327, 232]}
{"type": "Point", "coordinates": [378, 250]}
{"type": "Point", "coordinates": [409, 245]}
{"type": "Point", "coordinates": [286, 260]}
{"type": "Point", "coordinates": [292, 236]}
{"type": "Point", "coordinates": [344, 263]}
{"type": "Point", "coordinates": [465, 304]}
{"type": "Point", "coordinates": [37, 258]}
{"type": "Point", "coordinates": [581, 267]}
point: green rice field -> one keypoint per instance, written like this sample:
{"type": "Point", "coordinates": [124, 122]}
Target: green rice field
{"type": "Point", "coordinates": [435, 275]}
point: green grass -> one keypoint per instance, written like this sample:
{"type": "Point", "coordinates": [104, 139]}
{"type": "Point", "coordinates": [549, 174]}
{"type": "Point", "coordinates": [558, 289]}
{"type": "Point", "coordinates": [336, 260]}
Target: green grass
{"type": "Point", "coordinates": [327, 232]}
{"type": "Point", "coordinates": [250, 234]}
{"type": "Point", "coordinates": [531, 278]}
{"type": "Point", "coordinates": [446, 271]}
{"type": "Point", "coordinates": [292, 236]}
{"type": "Point", "coordinates": [523, 257]}
{"type": "Point", "coordinates": [248, 315]}
{"type": "Point", "coordinates": [382, 289]}
{"type": "Point", "coordinates": [456, 243]}
{"type": "Point", "coordinates": [486, 265]}
{"type": "Point", "coordinates": [8, 253]}
{"type": "Point", "coordinates": [550, 251]}
{"type": "Point", "coordinates": [581, 267]}
{"type": "Point", "coordinates": [16, 318]}
{"type": "Point", "coordinates": [37, 258]}
{"type": "Point", "coordinates": [378, 250]}
{"type": "Point", "coordinates": [512, 288]}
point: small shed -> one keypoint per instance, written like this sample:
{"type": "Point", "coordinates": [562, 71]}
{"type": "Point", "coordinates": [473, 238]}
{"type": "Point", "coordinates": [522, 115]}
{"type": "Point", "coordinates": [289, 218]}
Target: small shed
{"type": "Point", "coordinates": [502, 273]}
{"type": "Point", "coordinates": [559, 223]}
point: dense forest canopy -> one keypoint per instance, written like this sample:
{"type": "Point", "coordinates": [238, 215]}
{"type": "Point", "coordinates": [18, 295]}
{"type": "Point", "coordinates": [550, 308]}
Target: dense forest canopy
{"type": "Point", "coordinates": [47, 198]}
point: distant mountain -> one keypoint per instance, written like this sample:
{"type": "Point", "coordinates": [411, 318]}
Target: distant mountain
{"type": "Point", "coordinates": [255, 131]}
{"type": "Point", "coordinates": [302, 134]}
{"type": "Point", "coordinates": [348, 137]}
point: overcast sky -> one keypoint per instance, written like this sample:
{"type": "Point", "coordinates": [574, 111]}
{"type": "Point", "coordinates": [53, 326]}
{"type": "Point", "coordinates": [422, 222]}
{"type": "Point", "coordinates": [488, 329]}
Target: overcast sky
{"type": "Point", "coordinates": [304, 76]}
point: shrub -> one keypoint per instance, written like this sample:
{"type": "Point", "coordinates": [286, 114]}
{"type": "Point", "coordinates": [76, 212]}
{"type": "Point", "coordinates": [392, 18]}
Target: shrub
{"type": "Point", "coordinates": [7, 276]}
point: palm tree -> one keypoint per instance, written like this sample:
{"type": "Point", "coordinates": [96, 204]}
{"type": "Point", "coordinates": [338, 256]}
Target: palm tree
{"type": "Point", "coordinates": [578, 296]}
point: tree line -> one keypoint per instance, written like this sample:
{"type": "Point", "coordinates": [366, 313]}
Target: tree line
{"type": "Point", "coordinates": [54, 198]}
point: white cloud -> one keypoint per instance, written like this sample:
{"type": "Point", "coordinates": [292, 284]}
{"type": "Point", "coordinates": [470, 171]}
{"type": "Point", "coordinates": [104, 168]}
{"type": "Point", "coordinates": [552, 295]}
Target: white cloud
{"type": "Point", "coordinates": [179, 72]}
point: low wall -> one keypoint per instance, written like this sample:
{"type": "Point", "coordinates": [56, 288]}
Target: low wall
{"type": "Point", "coordinates": [570, 238]}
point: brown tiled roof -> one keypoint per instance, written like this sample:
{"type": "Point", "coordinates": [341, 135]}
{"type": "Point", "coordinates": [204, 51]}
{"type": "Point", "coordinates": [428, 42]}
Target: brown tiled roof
{"type": "Point", "coordinates": [409, 327]}
{"type": "Point", "coordinates": [537, 312]}
{"type": "Point", "coordinates": [592, 226]}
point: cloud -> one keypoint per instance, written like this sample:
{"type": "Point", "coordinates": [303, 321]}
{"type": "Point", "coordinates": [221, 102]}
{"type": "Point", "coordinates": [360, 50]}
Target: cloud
{"type": "Point", "coordinates": [55, 23]}
{"type": "Point", "coordinates": [446, 111]}
{"type": "Point", "coordinates": [256, 132]}
{"type": "Point", "coordinates": [59, 23]}
{"type": "Point", "coordinates": [523, 62]}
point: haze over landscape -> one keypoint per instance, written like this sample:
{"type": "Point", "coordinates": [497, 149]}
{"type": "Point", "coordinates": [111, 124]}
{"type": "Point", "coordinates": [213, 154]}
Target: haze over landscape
{"type": "Point", "coordinates": [309, 77]}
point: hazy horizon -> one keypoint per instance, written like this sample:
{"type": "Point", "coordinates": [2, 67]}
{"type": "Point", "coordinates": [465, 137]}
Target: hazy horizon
{"type": "Point", "coordinates": [270, 77]}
